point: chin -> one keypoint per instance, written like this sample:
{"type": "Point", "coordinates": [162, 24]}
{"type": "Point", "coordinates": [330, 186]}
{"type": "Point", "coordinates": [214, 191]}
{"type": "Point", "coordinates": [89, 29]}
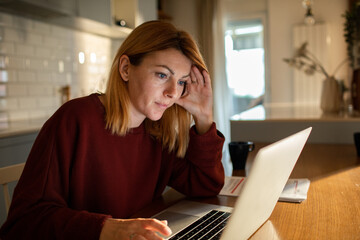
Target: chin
{"type": "Point", "coordinates": [155, 118]}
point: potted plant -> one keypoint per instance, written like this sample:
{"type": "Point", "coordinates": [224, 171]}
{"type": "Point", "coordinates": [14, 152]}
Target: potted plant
{"type": "Point", "coordinates": [332, 89]}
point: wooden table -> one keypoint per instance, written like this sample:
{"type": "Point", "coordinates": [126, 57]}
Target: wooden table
{"type": "Point", "coordinates": [332, 209]}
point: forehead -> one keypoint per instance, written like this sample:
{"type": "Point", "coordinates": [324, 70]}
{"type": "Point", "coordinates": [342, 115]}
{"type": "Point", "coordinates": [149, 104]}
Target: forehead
{"type": "Point", "coordinates": [170, 58]}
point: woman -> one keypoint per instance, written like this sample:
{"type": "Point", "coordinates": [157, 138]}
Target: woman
{"type": "Point", "coordinates": [99, 159]}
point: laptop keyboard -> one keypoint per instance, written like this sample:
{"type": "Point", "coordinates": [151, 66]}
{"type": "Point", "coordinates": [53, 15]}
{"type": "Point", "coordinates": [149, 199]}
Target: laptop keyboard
{"type": "Point", "coordinates": [210, 226]}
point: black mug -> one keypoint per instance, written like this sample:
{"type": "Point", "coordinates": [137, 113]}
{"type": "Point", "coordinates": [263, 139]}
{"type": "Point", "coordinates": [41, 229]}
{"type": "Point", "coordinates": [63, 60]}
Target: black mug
{"type": "Point", "coordinates": [239, 152]}
{"type": "Point", "coordinates": [357, 142]}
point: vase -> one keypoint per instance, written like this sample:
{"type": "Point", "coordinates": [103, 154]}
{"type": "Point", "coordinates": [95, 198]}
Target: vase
{"type": "Point", "coordinates": [331, 96]}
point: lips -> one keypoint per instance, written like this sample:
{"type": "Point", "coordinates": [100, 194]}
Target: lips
{"type": "Point", "coordinates": [162, 105]}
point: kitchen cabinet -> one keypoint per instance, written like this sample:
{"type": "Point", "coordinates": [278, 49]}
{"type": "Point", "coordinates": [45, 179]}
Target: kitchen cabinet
{"type": "Point", "coordinates": [39, 8]}
{"type": "Point", "coordinates": [14, 149]}
{"type": "Point", "coordinates": [100, 17]}
{"type": "Point", "coordinates": [135, 12]}
{"type": "Point", "coordinates": [108, 12]}
{"type": "Point", "coordinates": [93, 16]}
{"type": "Point", "coordinates": [99, 11]}
{"type": "Point", "coordinates": [67, 6]}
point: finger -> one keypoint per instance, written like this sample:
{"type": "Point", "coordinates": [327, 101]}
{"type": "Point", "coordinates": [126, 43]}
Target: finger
{"type": "Point", "coordinates": [198, 75]}
{"type": "Point", "coordinates": [207, 80]}
{"type": "Point", "coordinates": [158, 226]}
{"type": "Point", "coordinates": [193, 76]}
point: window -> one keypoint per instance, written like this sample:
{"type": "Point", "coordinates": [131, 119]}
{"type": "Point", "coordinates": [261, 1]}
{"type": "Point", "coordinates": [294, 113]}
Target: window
{"type": "Point", "coordinates": [245, 63]}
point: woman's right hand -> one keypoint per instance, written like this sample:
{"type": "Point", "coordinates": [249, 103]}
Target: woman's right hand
{"type": "Point", "coordinates": [134, 229]}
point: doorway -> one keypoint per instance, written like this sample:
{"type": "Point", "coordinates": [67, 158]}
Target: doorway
{"type": "Point", "coordinates": [245, 63]}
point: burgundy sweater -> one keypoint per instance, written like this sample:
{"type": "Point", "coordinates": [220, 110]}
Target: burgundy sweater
{"type": "Point", "coordinates": [78, 174]}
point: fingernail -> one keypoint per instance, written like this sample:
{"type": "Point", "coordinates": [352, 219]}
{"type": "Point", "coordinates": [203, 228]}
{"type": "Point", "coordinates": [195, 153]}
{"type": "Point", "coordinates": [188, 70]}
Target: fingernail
{"type": "Point", "coordinates": [165, 222]}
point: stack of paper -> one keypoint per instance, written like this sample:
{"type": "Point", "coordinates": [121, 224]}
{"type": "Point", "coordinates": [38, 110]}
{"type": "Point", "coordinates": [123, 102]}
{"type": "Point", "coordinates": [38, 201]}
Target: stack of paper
{"type": "Point", "coordinates": [295, 190]}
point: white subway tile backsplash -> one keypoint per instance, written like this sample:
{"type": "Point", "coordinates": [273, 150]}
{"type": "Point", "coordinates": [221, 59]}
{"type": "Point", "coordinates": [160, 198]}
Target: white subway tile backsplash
{"type": "Point", "coordinates": [17, 90]}
{"type": "Point", "coordinates": [34, 39]}
{"type": "Point", "coordinates": [41, 28]}
{"type": "Point", "coordinates": [3, 90]}
{"type": "Point", "coordinates": [5, 19]}
{"type": "Point", "coordinates": [7, 48]}
{"type": "Point", "coordinates": [16, 63]}
{"type": "Point", "coordinates": [22, 23]}
{"type": "Point", "coordinates": [12, 76]}
{"type": "Point", "coordinates": [93, 69]}
{"type": "Point", "coordinates": [68, 66]}
{"type": "Point", "coordinates": [24, 50]}
{"type": "Point", "coordinates": [38, 59]}
{"type": "Point", "coordinates": [35, 64]}
{"type": "Point", "coordinates": [26, 76]}
{"type": "Point", "coordinates": [27, 63]}
{"type": "Point", "coordinates": [61, 32]}
{"type": "Point", "coordinates": [3, 61]}
{"type": "Point", "coordinates": [51, 41]}
{"type": "Point", "coordinates": [27, 103]}
{"type": "Point", "coordinates": [37, 114]}
{"type": "Point", "coordinates": [68, 78]}
{"type": "Point", "coordinates": [61, 66]}
{"type": "Point", "coordinates": [52, 65]}
{"type": "Point", "coordinates": [43, 52]}
{"type": "Point", "coordinates": [46, 101]}
{"type": "Point", "coordinates": [3, 104]}
{"type": "Point", "coordinates": [4, 76]}
{"type": "Point", "coordinates": [1, 34]}
{"type": "Point", "coordinates": [58, 53]}
{"type": "Point", "coordinates": [18, 115]}
{"type": "Point", "coordinates": [44, 77]}
{"type": "Point", "coordinates": [51, 111]}
{"type": "Point", "coordinates": [11, 104]}
{"type": "Point", "coordinates": [41, 90]}
{"type": "Point", "coordinates": [14, 35]}
{"type": "Point", "coordinates": [75, 66]}
{"type": "Point", "coordinates": [57, 101]}
{"type": "Point", "coordinates": [59, 78]}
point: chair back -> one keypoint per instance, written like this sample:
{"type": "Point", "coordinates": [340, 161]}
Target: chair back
{"type": "Point", "coordinates": [9, 174]}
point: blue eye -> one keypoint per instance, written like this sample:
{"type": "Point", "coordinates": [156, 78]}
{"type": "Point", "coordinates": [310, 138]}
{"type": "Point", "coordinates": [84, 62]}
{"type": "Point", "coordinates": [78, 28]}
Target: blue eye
{"type": "Point", "coordinates": [161, 75]}
{"type": "Point", "coordinates": [182, 83]}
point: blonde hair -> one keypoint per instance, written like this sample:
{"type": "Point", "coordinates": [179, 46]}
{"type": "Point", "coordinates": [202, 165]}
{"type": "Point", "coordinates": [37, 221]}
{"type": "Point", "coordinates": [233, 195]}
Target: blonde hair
{"type": "Point", "coordinates": [173, 128]}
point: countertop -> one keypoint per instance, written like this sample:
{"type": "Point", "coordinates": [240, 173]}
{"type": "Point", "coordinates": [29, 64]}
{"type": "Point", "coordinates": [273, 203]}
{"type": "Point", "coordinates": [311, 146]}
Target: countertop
{"type": "Point", "coordinates": [15, 128]}
{"type": "Point", "coordinates": [293, 112]}
{"type": "Point", "coordinates": [273, 122]}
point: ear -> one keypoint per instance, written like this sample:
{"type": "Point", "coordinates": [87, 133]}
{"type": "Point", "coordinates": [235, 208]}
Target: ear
{"type": "Point", "coordinates": [124, 64]}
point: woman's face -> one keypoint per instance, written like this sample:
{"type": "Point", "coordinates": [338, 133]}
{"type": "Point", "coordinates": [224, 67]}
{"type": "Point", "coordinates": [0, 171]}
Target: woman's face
{"type": "Point", "coordinates": [156, 84]}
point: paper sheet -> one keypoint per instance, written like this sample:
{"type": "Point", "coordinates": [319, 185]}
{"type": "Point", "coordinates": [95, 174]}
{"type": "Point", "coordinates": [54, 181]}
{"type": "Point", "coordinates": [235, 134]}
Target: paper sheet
{"type": "Point", "coordinates": [295, 190]}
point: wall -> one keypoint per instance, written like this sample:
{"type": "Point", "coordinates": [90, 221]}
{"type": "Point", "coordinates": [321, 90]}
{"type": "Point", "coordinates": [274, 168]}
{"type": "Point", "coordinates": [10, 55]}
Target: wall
{"type": "Point", "coordinates": [280, 16]}
{"type": "Point", "coordinates": [184, 14]}
{"type": "Point", "coordinates": [38, 59]}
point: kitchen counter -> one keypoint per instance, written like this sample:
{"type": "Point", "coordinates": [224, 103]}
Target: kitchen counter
{"type": "Point", "coordinates": [292, 112]}
{"type": "Point", "coordinates": [15, 128]}
{"type": "Point", "coordinates": [272, 122]}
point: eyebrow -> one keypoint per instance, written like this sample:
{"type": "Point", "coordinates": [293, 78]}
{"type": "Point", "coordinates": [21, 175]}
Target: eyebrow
{"type": "Point", "coordinates": [171, 71]}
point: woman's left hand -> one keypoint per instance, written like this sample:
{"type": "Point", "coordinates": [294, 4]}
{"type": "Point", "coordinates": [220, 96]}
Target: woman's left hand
{"type": "Point", "coordinates": [198, 99]}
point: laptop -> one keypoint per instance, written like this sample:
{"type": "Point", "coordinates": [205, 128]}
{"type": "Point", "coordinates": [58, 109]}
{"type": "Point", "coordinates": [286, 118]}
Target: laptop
{"type": "Point", "coordinates": [261, 190]}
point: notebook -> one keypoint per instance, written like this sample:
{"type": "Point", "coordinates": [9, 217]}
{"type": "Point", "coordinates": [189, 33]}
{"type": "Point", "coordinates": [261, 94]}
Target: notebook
{"type": "Point", "coordinates": [267, 177]}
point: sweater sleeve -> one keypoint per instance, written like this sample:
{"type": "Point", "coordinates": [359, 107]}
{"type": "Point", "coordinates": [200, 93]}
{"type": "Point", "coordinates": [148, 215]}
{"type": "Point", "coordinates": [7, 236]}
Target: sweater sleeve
{"type": "Point", "coordinates": [201, 172]}
{"type": "Point", "coordinates": [39, 209]}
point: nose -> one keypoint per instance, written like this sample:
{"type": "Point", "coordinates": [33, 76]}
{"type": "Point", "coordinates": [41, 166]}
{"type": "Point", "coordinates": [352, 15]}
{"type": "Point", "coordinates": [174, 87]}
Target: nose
{"type": "Point", "coordinates": [171, 89]}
